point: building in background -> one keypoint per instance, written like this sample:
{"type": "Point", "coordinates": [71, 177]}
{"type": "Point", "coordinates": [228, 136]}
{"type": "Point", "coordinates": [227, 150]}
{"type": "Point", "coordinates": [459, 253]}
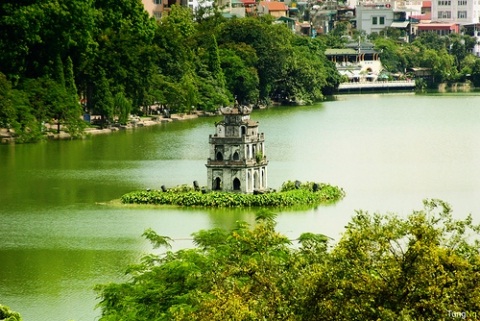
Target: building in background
{"type": "Point", "coordinates": [359, 62]}
{"type": "Point", "coordinates": [462, 12]}
{"type": "Point", "coordinates": [373, 17]}
{"type": "Point", "coordinates": [158, 8]}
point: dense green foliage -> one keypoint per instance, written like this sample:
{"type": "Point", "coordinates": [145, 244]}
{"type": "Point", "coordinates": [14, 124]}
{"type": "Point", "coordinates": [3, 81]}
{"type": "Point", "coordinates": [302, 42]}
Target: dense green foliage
{"type": "Point", "coordinates": [385, 267]}
{"type": "Point", "coordinates": [289, 195]}
{"type": "Point", "coordinates": [388, 268]}
{"type": "Point", "coordinates": [8, 315]}
{"type": "Point", "coordinates": [116, 59]}
{"type": "Point", "coordinates": [449, 57]}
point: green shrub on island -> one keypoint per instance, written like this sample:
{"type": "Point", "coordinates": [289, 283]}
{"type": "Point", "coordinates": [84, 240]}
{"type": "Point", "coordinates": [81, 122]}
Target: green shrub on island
{"type": "Point", "coordinates": [290, 194]}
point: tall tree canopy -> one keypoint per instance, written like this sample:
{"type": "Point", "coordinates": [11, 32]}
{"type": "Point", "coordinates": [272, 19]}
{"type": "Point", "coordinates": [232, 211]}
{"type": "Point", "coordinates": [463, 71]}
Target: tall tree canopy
{"type": "Point", "coordinates": [96, 50]}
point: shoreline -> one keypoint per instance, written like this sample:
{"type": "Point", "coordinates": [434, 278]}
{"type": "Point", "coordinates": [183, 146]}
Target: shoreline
{"type": "Point", "coordinates": [6, 136]}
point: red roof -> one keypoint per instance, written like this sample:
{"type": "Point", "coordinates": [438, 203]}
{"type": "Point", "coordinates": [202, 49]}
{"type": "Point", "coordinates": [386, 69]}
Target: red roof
{"type": "Point", "coordinates": [438, 26]}
{"type": "Point", "coordinates": [274, 5]}
{"type": "Point", "coordinates": [426, 4]}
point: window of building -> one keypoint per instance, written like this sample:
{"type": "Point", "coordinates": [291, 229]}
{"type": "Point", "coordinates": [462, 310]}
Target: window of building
{"type": "Point", "coordinates": [445, 2]}
{"type": "Point", "coordinates": [157, 14]}
{"type": "Point", "coordinates": [378, 20]}
{"type": "Point", "coordinates": [462, 14]}
{"type": "Point", "coordinates": [170, 3]}
{"type": "Point", "coordinates": [444, 15]}
{"type": "Point", "coordinates": [462, 2]}
{"type": "Point", "coordinates": [157, 1]}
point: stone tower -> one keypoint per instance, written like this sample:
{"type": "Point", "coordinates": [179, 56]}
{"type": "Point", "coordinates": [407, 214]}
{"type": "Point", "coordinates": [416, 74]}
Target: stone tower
{"type": "Point", "coordinates": [237, 161]}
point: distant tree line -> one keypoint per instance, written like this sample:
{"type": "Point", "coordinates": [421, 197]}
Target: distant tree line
{"type": "Point", "coordinates": [60, 59]}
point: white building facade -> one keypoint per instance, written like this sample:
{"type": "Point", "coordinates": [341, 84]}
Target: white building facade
{"type": "Point", "coordinates": [374, 17]}
{"type": "Point", "coordinates": [460, 11]}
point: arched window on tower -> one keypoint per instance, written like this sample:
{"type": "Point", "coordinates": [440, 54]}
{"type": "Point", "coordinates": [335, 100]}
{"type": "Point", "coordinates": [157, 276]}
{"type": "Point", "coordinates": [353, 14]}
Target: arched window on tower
{"type": "Point", "coordinates": [219, 156]}
{"type": "Point", "coordinates": [236, 184]}
{"type": "Point", "coordinates": [236, 156]}
{"type": "Point", "coordinates": [243, 130]}
{"type": "Point", "coordinates": [217, 184]}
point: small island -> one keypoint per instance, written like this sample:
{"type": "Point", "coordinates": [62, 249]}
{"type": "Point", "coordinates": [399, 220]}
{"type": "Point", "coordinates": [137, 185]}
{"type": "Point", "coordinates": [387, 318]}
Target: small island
{"type": "Point", "coordinates": [292, 193]}
{"type": "Point", "coordinates": [237, 174]}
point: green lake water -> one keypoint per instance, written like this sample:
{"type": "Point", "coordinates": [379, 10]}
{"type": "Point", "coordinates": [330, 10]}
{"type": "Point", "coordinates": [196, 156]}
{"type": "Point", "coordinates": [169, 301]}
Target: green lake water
{"type": "Point", "coordinates": [58, 240]}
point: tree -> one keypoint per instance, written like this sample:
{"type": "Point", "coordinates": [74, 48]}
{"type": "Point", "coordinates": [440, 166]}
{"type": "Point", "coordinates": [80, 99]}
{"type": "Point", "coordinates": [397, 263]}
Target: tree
{"type": "Point", "coordinates": [272, 45]}
{"type": "Point", "coordinates": [214, 64]}
{"type": "Point", "coordinates": [241, 78]}
{"type": "Point", "coordinates": [470, 69]}
{"type": "Point", "coordinates": [331, 41]}
{"type": "Point", "coordinates": [341, 28]}
{"type": "Point", "coordinates": [244, 274]}
{"type": "Point", "coordinates": [385, 267]}
{"type": "Point", "coordinates": [20, 25]}
{"type": "Point", "coordinates": [73, 121]}
{"type": "Point", "coordinates": [16, 113]}
{"type": "Point", "coordinates": [176, 62]}
{"type": "Point", "coordinates": [308, 74]}
{"type": "Point", "coordinates": [7, 109]}
{"type": "Point", "coordinates": [35, 32]}
{"type": "Point", "coordinates": [431, 40]}
{"type": "Point", "coordinates": [47, 98]}
{"type": "Point", "coordinates": [124, 50]}
{"type": "Point", "coordinates": [174, 43]}
{"type": "Point", "coordinates": [390, 54]}
{"type": "Point", "coordinates": [122, 108]}
{"type": "Point", "coordinates": [456, 48]}
{"type": "Point", "coordinates": [440, 62]}
{"type": "Point", "coordinates": [102, 99]}
{"type": "Point", "coordinates": [70, 85]}
{"type": "Point", "coordinates": [390, 268]}
{"type": "Point", "coordinates": [210, 78]}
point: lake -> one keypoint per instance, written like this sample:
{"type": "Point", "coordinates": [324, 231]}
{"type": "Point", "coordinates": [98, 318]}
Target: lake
{"type": "Point", "coordinates": [58, 238]}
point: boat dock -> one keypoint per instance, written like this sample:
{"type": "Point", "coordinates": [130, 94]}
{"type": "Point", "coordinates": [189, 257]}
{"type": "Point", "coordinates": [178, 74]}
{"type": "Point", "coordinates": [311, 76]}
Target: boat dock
{"type": "Point", "coordinates": [383, 86]}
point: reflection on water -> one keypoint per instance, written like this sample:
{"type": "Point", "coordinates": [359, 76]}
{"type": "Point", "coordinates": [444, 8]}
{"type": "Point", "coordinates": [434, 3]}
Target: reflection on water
{"type": "Point", "coordinates": [58, 240]}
